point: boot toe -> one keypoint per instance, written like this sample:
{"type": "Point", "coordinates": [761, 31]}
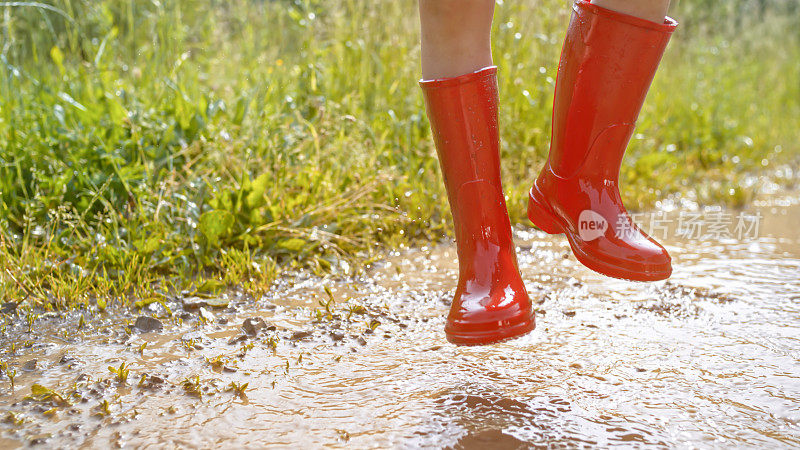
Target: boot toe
{"type": "Point", "coordinates": [638, 258]}
{"type": "Point", "coordinates": [483, 325]}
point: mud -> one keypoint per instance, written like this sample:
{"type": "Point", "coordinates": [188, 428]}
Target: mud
{"type": "Point", "coordinates": [709, 358]}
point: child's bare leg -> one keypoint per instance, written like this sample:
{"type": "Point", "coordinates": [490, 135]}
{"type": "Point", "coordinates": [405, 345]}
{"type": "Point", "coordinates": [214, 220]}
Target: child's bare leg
{"type": "Point", "coordinates": [455, 36]}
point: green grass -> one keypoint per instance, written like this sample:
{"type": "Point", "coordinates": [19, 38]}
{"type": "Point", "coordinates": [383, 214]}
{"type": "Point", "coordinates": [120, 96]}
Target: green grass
{"type": "Point", "coordinates": [148, 147]}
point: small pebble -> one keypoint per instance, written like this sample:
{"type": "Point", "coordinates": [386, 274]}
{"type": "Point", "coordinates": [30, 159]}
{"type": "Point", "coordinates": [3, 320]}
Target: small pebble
{"type": "Point", "coordinates": [253, 325]}
{"type": "Point", "coordinates": [30, 366]}
{"type": "Point", "coordinates": [298, 335]}
{"type": "Point", "coordinates": [194, 302]}
{"type": "Point", "coordinates": [147, 324]}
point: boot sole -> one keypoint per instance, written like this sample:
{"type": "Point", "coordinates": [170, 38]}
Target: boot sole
{"type": "Point", "coordinates": [492, 337]}
{"type": "Point", "coordinates": [548, 221]}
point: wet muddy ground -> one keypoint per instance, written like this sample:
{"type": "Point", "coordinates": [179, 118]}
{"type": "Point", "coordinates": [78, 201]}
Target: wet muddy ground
{"type": "Point", "coordinates": [710, 358]}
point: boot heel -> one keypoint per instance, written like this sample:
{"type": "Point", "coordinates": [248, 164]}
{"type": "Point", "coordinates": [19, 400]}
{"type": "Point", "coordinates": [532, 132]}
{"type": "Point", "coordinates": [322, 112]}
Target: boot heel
{"type": "Point", "coordinates": [541, 216]}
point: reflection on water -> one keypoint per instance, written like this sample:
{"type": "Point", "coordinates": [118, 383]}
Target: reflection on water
{"type": "Point", "coordinates": [708, 358]}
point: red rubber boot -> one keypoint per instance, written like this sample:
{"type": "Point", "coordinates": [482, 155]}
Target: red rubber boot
{"type": "Point", "coordinates": [607, 64]}
{"type": "Point", "coordinates": [490, 303]}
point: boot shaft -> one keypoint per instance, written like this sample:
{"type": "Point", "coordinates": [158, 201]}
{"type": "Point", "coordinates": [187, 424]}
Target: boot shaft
{"type": "Point", "coordinates": [607, 64]}
{"type": "Point", "coordinates": [463, 116]}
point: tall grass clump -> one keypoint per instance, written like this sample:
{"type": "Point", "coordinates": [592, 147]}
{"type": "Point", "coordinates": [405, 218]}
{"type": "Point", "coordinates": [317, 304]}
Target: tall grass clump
{"type": "Point", "coordinates": [146, 146]}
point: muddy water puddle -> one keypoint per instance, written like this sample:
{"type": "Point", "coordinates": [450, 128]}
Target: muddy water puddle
{"type": "Point", "coordinates": [710, 358]}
